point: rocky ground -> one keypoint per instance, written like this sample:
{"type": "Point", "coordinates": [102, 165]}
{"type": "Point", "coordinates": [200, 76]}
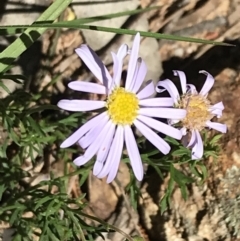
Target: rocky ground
{"type": "Point", "coordinates": [212, 212]}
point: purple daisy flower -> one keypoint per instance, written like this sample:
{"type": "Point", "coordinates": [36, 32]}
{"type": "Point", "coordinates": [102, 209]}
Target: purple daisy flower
{"type": "Point", "coordinates": [198, 107]}
{"type": "Point", "coordinates": [105, 134]}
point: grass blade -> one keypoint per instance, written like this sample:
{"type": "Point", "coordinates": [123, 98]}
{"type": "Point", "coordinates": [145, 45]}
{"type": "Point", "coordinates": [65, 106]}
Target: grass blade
{"type": "Point", "coordinates": [151, 35]}
{"type": "Point", "coordinates": [14, 29]}
{"type": "Point", "coordinates": [75, 25]}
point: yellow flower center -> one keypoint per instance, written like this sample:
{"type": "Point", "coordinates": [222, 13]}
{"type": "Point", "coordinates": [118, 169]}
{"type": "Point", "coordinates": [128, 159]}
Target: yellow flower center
{"type": "Point", "coordinates": [198, 113]}
{"type": "Point", "coordinates": [122, 106]}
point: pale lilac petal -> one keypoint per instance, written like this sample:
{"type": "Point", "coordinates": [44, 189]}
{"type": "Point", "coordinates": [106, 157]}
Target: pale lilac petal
{"type": "Point", "coordinates": [88, 139]}
{"type": "Point", "coordinates": [197, 150]}
{"type": "Point", "coordinates": [216, 112]}
{"type": "Point", "coordinates": [93, 148]}
{"type": "Point", "coordinates": [170, 87]}
{"type": "Point", "coordinates": [139, 76]}
{"type": "Point", "coordinates": [113, 172]}
{"type": "Point", "coordinates": [81, 160]}
{"type": "Point", "coordinates": [87, 87]}
{"type": "Point", "coordinates": [122, 52]}
{"type": "Point", "coordinates": [157, 102]}
{"type": "Point", "coordinates": [98, 166]}
{"type": "Point", "coordinates": [81, 105]}
{"type": "Point", "coordinates": [95, 64]}
{"type": "Point", "coordinates": [172, 121]}
{"type": "Point", "coordinates": [217, 126]}
{"type": "Point", "coordinates": [114, 153]}
{"type": "Point", "coordinates": [219, 106]}
{"type": "Point", "coordinates": [184, 131]}
{"type": "Point", "coordinates": [161, 127]}
{"type": "Point", "coordinates": [182, 78]}
{"type": "Point", "coordinates": [83, 130]}
{"type": "Point", "coordinates": [118, 64]}
{"type": "Point", "coordinates": [103, 150]}
{"type": "Point", "coordinates": [132, 61]}
{"type": "Point", "coordinates": [133, 153]}
{"type": "Point", "coordinates": [147, 91]}
{"type": "Point", "coordinates": [134, 79]}
{"type": "Point", "coordinates": [114, 169]}
{"type": "Point", "coordinates": [208, 83]}
{"type": "Point", "coordinates": [191, 89]}
{"type": "Point", "coordinates": [112, 164]}
{"type": "Point", "coordinates": [217, 109]}
{"type": "Point", "coordinates": [117, 71]}
{"type": "Point", "coordinates": [168, 113]}
{"type": "Point", "coordinates": [117, 154]}
{"type": "Point", "coordinates": [193, 139]}
{"type": "Point", "coordinates": [156, 140]}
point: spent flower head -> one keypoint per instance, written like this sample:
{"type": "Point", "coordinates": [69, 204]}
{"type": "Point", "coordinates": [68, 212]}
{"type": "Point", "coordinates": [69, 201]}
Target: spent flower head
{"type": "Point", "coordinates": [105, 134]}
{"type": "Point", "coordinates": [198, 107]}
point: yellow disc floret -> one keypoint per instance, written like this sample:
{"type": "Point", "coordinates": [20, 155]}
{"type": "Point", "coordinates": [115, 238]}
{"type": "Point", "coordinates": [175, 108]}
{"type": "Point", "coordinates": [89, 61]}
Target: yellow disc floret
{"type": "Point", "coordinates": [122, 106]}
{"type": "Point", "coordinates": [198, 113]}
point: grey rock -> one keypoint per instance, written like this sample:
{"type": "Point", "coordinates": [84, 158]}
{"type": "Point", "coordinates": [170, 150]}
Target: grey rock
{"type": "Point", "coordinates": [97, 39]}
{"type": "Point", "coordinates": [22, 11]}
